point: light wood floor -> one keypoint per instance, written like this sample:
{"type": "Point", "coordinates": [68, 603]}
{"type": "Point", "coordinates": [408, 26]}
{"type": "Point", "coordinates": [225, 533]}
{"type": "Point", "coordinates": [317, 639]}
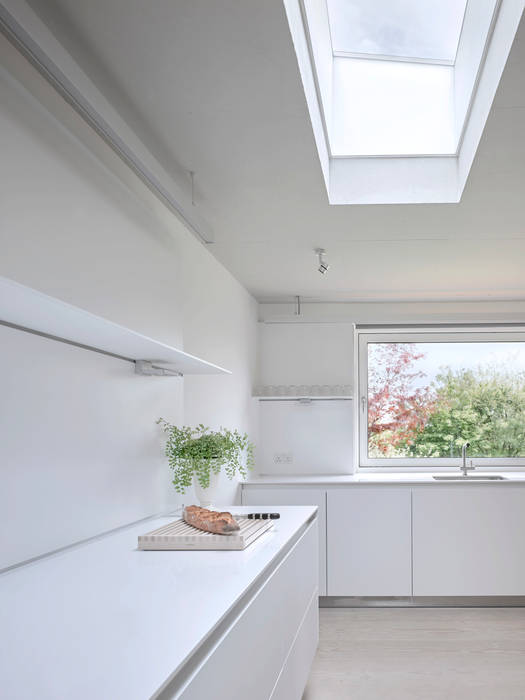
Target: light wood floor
{"type": "Point", "coordinates": [423, 653]}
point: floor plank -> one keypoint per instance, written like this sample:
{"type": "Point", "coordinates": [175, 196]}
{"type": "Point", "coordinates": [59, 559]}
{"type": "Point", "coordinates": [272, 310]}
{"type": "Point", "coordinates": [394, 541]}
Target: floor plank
{"type": "Point", "coordinates": [419, 653]}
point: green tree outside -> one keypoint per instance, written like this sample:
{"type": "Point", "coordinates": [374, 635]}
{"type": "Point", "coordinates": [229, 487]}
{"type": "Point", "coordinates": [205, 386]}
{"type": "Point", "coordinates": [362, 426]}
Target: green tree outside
{"type": "Point", "coordinates": [485, 407]}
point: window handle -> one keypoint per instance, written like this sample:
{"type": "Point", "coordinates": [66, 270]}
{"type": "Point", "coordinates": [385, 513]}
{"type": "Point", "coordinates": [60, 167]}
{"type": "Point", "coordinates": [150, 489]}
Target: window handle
{"type": "Point", "coordinates": [363, 403]}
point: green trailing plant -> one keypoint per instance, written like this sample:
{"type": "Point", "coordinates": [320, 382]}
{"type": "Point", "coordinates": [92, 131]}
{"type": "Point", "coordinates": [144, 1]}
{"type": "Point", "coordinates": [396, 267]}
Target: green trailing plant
{"type": "Point", "coordinates": [200, 451]}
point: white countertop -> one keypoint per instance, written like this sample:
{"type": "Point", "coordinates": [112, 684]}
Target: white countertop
{"type": "Point", "coordinates": [370, 478]}
{"type": "Point", "coordinates": [104, 620]}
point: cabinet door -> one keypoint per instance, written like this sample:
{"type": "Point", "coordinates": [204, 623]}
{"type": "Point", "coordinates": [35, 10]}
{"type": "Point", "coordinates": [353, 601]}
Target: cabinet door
{"type": "Point", "coordinates": [277, 496]}
{"type": "Point", "coordinates": [369, 541]}
{"type": "Point", "coordinates": [469, 540]}
{"type": "Point", "coordinates": [249, 659]}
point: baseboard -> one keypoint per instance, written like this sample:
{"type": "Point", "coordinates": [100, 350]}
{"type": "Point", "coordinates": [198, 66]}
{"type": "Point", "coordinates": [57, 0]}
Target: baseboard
{"type": "Point", "coordinates": [423, 602]}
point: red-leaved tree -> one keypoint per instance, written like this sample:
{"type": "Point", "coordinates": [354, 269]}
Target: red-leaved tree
{"type": "Point", "coordinates": [398, 404]}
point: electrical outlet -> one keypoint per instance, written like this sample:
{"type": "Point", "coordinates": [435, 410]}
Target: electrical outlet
{"type": "Point", "coordinates": [283, 458]}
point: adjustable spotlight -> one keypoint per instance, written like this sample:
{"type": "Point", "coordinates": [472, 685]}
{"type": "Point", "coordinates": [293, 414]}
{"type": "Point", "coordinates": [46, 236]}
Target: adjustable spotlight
{"type": "Point", "coordinates": [323, 265]}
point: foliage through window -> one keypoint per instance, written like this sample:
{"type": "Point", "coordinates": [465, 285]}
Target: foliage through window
{"type": "Point", "coordinates": [424, 396]}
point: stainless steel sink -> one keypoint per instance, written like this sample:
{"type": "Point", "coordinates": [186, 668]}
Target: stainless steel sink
{"type": "Point", "coordinates": [470, 477]}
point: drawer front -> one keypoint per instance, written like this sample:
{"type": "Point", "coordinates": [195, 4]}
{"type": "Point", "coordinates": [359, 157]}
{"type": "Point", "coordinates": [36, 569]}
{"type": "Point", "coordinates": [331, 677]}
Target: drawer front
{"type": "Point", "coordinates": [293, 678]}
{"type": "Point", "coordinates": [248, 659]}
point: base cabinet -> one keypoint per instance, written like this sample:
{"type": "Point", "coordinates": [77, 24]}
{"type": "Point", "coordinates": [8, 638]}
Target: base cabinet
{"type": "Point", "coordinates": [469, 540]}
{"type": "Point", "coordinates": [428, 540]}
{"type": "Point", "coordinates": [369, 541]}
{"type": "Point", "coordinates": [291, 681]}
{"type": "Point", "coordinates": [262, 496]}
{"type": "Point", "coordinates": [268, 648]}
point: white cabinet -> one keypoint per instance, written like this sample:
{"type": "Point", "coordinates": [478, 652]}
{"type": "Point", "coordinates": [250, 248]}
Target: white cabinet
{"type": "Point", "coordinates": [223, 624]}
{"type": "Point", "coordinates": [469, 540]}
{"type": "Point", "coordinates": [297, 496]}
{"type": "Point", "coordinates": [267, 651]}
{"type": "Point", "coordinates": [369, 541]}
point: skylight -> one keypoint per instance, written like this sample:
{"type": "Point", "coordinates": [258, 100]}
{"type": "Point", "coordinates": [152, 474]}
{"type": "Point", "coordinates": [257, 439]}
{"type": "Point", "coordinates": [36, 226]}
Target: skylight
{"type": "Point", "coordinates": [399, 91]}
{"type": "Point", "coordinates": [428, 30]}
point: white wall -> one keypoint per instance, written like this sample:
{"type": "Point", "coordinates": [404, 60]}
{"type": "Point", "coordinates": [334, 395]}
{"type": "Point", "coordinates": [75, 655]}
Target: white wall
{"type": "Point", "coordinates": [219, 320]}
{"type": "Point", "coordinates": [305, 353]}
{"type": "Point", "coordinates": [79, 450]}
{"type": "Point", "coordinates": [314, 438]}
{"type": "Point", "coordinates": [317, 348]}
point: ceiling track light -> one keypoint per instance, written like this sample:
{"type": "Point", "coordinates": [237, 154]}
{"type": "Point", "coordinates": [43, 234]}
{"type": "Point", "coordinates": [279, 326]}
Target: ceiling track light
{"type": "Point", "coordinates": [323, 265]}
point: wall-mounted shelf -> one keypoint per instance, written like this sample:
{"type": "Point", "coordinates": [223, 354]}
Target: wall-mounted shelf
{"type": "Point", "coordinates": [28, 310]}
{"type": "Point", "coordinates": [304, 399]}
{"type": "Point", "coordinates": [304, 393]}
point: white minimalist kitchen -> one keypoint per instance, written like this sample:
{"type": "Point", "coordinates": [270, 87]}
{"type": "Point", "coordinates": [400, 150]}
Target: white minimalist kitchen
{"type": "Point", "coordinates": [262, 350]}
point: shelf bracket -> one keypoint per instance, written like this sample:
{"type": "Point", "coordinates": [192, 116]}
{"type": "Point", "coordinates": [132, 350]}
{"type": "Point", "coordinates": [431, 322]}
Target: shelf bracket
{"type": "Point", "coordinates": [147, 368]}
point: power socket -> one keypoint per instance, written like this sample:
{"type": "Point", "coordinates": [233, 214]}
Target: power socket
{"type": "Point", "coordinates": [283, 457]}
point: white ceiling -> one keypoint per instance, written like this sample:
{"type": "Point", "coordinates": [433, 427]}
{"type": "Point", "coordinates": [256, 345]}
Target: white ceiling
{"type": "Point", "coordinates": [213, 86]}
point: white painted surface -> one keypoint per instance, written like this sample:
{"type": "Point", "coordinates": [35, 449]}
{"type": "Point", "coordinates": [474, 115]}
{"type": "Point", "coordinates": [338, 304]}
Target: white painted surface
{"type": "Point", "coordinates": [305, 353]}
{"type": "Point", "coordinates": [308, 80]}
{"type": "Point", "coordinates": [393, 180]}
{"type": "Point", "coordinates": [390, 118]}
{"type": "Point", "coordinates": [219, 320]}
{"type": "Point", "coordinates": [476, 24]}
{"type": "Point", "coordinates": [124, 621]}
{"type": "Point", "coordinates": [318, 436]}
{"type": "Point", "coordinates": [260, 496]}
{"type": "Point", "coordinates": [250, 657]}
{"type": "Point", "coordinates": [469, 541]}
{"type": "Point", "coordinates": [44, 37]}
{"type": "Point", "coordinates": [399, 311]}
{"type": "Point", "coordinates": [311, 436]}
{"type": "Point", "coordinates": [316, 349]}
{"type": "Point", "coordinates": [387, 478]}
{"type": "Point", "coordinates": [321, 47]}
{"type": "Point", "coordinates": [270, 209]}
{"type": "Point", "coordinates": [508, 22]}
{"type": "Point", "coordinates": [369, 542]}
{"type": "Point", "coordinates": [465, 539]}
{"type": "Point", "coordinates": [299, 661]}
{"type": "Point", "coordinates": [26, 307]}
{"type": "Point", "coordinates": [80, 449]}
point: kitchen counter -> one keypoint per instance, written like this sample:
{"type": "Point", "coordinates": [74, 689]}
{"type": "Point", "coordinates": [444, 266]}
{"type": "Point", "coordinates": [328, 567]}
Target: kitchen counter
{"type": "Point", "coordinates": [405, 535]}
{"type": "Point", "coordinates": [104, 620]}
{"type": "Point", "coordinates": [371, 478]}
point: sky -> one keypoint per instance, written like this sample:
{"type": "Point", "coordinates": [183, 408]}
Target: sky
{"type": "Point", "coordinates": [467, 355]}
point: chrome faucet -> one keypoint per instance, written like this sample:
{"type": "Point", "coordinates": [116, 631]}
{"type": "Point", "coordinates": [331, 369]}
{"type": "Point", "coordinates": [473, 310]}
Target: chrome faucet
{"type": "Point", "coordinates": [464, 467]}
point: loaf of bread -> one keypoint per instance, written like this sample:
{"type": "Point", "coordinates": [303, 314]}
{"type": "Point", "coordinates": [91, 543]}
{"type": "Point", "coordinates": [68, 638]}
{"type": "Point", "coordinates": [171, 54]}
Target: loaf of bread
{"type": "Point", "coordinates": [210, 520]}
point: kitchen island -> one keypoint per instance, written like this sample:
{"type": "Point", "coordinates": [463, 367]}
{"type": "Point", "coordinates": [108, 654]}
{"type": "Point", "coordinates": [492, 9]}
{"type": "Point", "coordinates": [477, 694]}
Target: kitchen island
{"type": "Point", "coordinates": [104, 620]}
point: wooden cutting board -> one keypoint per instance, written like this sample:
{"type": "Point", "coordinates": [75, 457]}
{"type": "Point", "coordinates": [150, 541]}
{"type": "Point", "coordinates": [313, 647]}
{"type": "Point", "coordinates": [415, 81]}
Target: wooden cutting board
{"type": "Point", "coordinates": [180, 535]}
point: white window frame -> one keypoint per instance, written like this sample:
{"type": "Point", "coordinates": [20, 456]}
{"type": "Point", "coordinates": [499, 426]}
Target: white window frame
{"type": "Point", "coordinates": [414, 334]}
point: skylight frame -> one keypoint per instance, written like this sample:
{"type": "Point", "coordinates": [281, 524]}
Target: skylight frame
{"type": "Point", "coordinates": [396, 58]}
{"type": "Point", "coordinates": [394, 177]}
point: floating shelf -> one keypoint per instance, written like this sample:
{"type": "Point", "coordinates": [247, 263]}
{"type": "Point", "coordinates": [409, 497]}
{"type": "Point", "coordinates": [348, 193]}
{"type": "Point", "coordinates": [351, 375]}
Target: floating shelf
{"type": "Point", "coordinates": [29, 310]}
{"type": "Point", "coordinates": [303, 392]}
{"type": "Point", "coordinates": [304, 399]}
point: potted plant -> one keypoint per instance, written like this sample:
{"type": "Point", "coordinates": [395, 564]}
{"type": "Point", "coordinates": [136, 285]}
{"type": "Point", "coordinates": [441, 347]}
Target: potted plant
{"type": "Point", "coordinates": [197, 455]}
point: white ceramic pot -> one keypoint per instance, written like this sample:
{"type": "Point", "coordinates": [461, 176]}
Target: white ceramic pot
{"type": "Point", "coordinates": [207, 497]}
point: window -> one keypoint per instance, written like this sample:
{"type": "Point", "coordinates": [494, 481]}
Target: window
{"type": "Point", "coordinates": [424, 393]}
{"type": "Point", "coordinates": [399, 29]}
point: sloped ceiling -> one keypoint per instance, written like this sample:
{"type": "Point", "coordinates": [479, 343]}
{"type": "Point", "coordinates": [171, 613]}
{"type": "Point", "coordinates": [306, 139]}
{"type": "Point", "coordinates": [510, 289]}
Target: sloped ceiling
{"type": "Point", "coordinates": [214, 87]}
